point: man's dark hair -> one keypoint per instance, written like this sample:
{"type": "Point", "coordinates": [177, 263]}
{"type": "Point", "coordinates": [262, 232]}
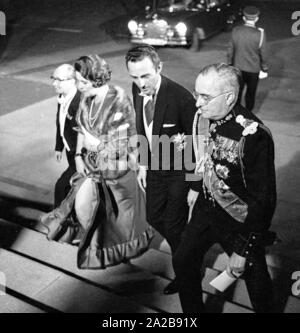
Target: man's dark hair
{"type": "Point", "coordinates": [138, 53]}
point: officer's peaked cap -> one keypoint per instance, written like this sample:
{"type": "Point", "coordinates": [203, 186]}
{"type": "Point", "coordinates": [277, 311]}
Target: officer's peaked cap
{"type": "Point", "coordinates": [251, 12]}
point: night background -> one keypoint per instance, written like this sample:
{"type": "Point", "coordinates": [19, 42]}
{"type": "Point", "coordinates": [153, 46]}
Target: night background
{"type": "Point", "coordinates": [41, 275]}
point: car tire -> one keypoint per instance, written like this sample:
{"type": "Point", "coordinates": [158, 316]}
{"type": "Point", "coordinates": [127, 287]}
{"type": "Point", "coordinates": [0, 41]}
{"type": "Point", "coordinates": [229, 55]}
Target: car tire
{"type": "Point", "coordinates": [196, 40]}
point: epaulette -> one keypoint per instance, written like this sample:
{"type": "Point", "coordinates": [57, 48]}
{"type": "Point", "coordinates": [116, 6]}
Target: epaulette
{"type": "Point", "coordinates": [250, 126]}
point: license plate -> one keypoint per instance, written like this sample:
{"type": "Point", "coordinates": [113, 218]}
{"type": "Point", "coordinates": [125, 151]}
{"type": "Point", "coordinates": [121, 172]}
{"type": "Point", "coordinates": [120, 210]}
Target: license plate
{"type": "Point", "coordinates": [155, 41]}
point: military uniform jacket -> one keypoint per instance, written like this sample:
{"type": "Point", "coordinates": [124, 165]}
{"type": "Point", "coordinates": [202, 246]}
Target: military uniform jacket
{"type": "Point", "coordinates": [243, 173]}
{"type": "Point", "coordinates": [247, 49]}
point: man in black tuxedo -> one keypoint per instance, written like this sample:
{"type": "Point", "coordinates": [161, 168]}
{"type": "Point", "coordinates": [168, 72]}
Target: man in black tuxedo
{"type": "Point", "coordinates": [164, 116]}
{"type": "Point", "coordinates": [64, 83]}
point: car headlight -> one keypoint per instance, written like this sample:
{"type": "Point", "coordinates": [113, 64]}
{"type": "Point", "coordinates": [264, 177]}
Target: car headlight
{"type": "Point", "coordinates": [132, 26]}
{"type": "Point", "coordinates": [181, 28]}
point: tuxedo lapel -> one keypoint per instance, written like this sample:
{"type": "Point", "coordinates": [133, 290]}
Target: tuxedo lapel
{"type": "Point", "coordinates": [73, 108]}
{"type": "Point", "coordinates": [138, 105]}
{"type": "Point", "coordinates": [160, 108]}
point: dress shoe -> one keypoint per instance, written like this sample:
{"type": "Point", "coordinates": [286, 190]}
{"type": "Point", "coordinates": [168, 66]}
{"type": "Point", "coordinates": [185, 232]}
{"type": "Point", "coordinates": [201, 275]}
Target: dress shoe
{"type": "Point", "coordinates": [171, 288]}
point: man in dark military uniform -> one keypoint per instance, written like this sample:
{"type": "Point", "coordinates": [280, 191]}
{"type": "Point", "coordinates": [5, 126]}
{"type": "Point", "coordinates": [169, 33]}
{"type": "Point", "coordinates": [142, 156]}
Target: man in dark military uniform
{"type": "Point", "coordinates": [235, 199]}
{"type": "Point", "coordinates": [247, 51]}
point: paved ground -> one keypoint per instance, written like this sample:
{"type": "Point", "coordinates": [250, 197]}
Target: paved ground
{"type": "Point", "coordinates": [38, 43]}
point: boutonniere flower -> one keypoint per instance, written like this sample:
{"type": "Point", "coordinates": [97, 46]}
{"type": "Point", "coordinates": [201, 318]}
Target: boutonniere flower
{"type": "Point", "coordinates": [222, 171]}
{"type": "Point", "coordinates": [180, 141]}
{"type": "Point", "coordinates": [118, 116]}
{"type": "Point", "coordinates": [69, 116]}
{"type": "Point", "coordinates": [250, 126]}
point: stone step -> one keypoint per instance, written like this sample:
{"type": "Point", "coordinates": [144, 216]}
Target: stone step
{"type": "Point", "coordinates": [217, 259]}
{"type": "Point", "coordinates": [26, 213]}
{"type": "Point", "coordinates": [126, 280]}
{"type": "Point", "coordinates": [22, 212]}
{"type": "Point", "coordinates": [20, 190]}
{"type": "Point", "coordinates": [62, 257]}
{"type": "Point", "coordinates": [10, 304]}
{"type": "Point", "coordinates": [160, 263]}
{"type": "Point", "coordinates": [60, 291]}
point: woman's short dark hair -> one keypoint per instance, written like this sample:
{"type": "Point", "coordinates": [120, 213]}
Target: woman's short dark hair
{"type": "Point", "coordinates": [93, 68]}
{"type": "Point", "coordinates": [138, 53]}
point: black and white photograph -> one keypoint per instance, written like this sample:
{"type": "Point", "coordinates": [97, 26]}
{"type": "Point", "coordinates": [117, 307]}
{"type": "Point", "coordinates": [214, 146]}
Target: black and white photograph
{"type": "Point", "coordinates": [149, 159]}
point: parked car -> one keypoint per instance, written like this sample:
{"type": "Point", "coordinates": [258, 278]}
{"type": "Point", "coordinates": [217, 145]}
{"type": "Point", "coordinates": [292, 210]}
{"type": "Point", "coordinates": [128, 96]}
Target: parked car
{"type": "Point", "coordinates": [183, 22]}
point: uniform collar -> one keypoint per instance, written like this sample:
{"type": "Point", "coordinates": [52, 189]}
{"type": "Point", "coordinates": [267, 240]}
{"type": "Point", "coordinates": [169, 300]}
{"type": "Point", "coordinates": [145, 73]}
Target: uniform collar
{"type": "Point", "coordinates": [250, 24]}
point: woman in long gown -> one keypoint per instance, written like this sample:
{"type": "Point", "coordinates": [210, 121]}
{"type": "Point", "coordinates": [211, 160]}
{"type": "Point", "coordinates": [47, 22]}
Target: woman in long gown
{"type": "Point", "coordinates": [109, 205]}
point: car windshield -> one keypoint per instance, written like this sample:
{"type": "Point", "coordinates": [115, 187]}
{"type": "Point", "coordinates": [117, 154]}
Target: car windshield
{"type": "Point", "coordinates": [178, 5]}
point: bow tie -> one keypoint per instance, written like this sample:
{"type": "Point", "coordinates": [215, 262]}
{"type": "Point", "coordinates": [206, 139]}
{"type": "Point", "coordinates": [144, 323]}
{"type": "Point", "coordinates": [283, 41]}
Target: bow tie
{"type": "Point", "coordinates": [63, 100]}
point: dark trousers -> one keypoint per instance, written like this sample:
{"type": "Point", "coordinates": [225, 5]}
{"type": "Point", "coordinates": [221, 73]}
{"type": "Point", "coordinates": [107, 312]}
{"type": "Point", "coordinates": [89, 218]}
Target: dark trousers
{"type": "Point", "coordinates": [62, 186]}
{"type": "Point", "coordinates": [188, 260]}
{"type": "Point", "coordinates": [250, 81]}
{"type": "Point", "coordinates": [166, 208]}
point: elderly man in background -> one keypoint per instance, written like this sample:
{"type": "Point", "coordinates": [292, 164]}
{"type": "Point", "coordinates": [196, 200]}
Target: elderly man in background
{"type": "Point", "coordinates": [64, 83]}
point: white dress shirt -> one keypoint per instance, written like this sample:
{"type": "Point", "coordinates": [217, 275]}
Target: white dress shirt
{"type": "Point", "coordinates": [65, 102]}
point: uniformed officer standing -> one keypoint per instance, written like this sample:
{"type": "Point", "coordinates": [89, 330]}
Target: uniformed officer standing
{"type": "Point", "coordinates": [247, 51]}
